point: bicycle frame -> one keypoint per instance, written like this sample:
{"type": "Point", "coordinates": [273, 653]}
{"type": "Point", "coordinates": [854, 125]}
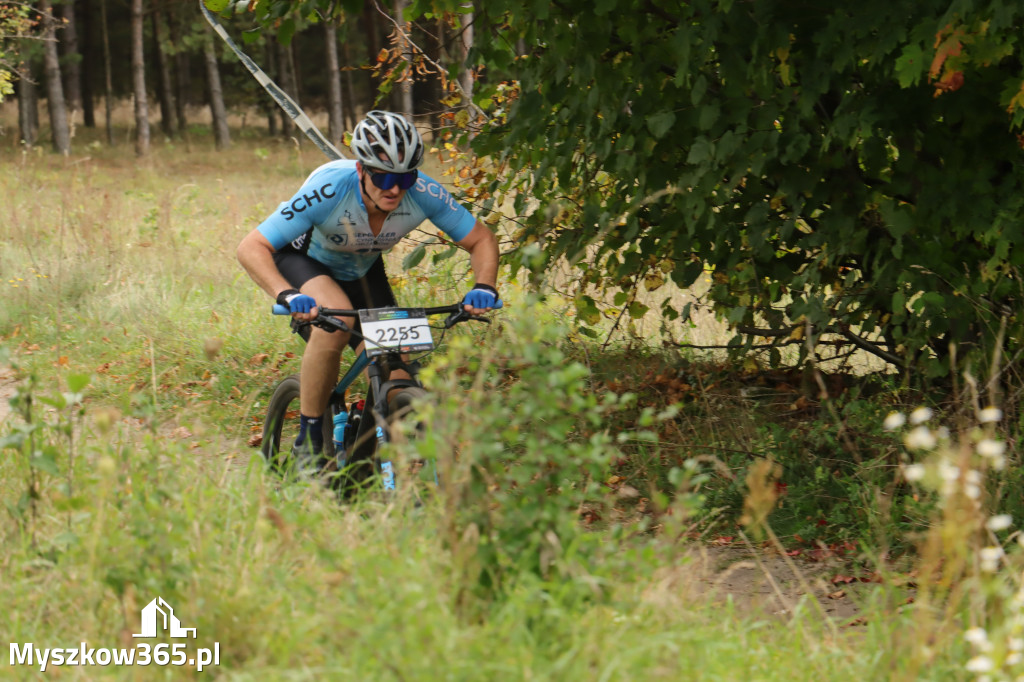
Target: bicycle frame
{"type": "Point", "coordinates": [373, 431]}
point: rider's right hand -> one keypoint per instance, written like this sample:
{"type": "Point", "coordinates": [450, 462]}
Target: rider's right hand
{"type": "Point", "coordinates": [299, 304]}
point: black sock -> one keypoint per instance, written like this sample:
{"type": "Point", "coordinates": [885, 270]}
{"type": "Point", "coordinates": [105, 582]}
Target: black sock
{"type": "Point", "coordinates": [311, 427]}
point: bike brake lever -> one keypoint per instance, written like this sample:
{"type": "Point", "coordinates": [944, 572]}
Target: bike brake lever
{"type": "Point", "coordinates": [454, 318]}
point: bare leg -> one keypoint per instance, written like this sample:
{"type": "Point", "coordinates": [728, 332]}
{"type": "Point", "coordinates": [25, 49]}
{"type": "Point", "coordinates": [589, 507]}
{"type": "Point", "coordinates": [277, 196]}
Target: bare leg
{"type": "Point", "coordinates": [322, 357]}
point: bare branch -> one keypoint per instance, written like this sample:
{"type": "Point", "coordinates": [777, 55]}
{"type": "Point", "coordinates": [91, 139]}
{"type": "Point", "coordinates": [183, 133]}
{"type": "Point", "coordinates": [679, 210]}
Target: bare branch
{"type": "Point", "coordinates": [406, 37]}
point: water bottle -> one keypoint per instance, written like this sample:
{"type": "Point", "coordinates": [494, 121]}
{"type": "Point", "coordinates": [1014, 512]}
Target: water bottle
{"type": "Point", "coordinates": [340, 420]}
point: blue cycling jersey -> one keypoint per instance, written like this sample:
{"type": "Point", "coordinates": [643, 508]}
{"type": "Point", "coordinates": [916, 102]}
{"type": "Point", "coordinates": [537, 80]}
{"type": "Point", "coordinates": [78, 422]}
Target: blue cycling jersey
{"type": "Point", "coordinates": [329, 206]}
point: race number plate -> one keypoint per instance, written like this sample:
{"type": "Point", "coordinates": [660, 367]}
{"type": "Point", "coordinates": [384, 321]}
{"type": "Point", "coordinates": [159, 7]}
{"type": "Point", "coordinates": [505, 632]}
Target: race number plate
{"type": "Point", "coordinates": [387, 330]}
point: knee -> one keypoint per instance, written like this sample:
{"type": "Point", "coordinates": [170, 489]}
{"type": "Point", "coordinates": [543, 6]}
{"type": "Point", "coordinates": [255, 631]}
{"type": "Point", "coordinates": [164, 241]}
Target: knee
{"type": "Point", "coordinates": [322, 341]}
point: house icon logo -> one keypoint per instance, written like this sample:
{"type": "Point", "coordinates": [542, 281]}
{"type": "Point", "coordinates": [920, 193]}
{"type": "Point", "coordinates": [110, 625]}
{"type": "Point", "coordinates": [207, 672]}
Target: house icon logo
{"type": "Point", "coordinates": [158, 611]}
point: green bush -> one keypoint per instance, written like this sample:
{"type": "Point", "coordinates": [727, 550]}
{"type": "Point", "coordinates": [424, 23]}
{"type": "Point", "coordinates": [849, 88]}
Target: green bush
{"type": "Point", "coordinates": [524, 447]}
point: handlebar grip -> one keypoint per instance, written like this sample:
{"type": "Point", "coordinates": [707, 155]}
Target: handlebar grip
{"type": "Point", "coordinates": [281, 309]}
{"type": "Point", "coordinates": [499, 304]}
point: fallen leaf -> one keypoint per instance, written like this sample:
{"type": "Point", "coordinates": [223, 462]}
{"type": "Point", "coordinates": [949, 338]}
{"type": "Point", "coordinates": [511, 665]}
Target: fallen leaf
{"type": "Point", "coordinates": [181, 432]}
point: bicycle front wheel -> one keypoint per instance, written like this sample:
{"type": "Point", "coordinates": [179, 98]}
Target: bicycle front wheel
{"type": "Point", "coordinates": [281, 426]}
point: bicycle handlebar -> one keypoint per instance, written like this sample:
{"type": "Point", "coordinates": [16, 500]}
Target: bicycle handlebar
{"type": "Point", "coordinates": [279, 309]}
{"type": "Point", "coordinates": [326, 317]}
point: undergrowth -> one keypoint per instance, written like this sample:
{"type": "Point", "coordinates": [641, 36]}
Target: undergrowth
{"type": "Point", "coordinates": [578, 481]}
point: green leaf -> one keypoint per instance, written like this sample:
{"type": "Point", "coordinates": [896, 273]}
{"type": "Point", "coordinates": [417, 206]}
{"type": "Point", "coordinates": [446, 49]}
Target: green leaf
{"type": "Point", "coordinates": [413, 258]}
{"type": "Point", "coordinates": [700, 151]}
{"type": "Point", "coordinates": [637, 310]}
{"type": "Point", "coordinates": [44, 461]}
{"type": "Point", "coordinates": [910, 65]}
{"type": "Point", "coordinates": [77, 382]}
{"type": "Point", "coordinates": [659, 124]}
{"type": "Point", "coordinates": [708, 116]}
{"type": "Point", "coordinates": [899, 301]}
{"type": "Point", "coordinates": [446, 254]}
{"type": "Point", "coordinates": [587, 311]}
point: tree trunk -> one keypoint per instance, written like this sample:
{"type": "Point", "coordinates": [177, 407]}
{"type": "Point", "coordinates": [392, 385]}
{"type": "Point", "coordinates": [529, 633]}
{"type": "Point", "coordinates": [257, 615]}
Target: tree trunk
{"type": "Point", "coordinates": [465, 44]}
{"type": "Point", "coordinates": [350, 89]}
{"type": "Point", "coordinates": [335, 115]}
{"type": "Point", "coordinates": [405, 86]}
{"type": "Point", "coordinates": [164, 76]}
{"type": "Point", "coordinates": [70, 62]}
{"type": "Point", "coordinates": [221, 134]}
{"type": "Point", "coordinates": [28, 107]}
{"type": "Point", "coordinates": [374, 43]}
{"type": "Point", "coordinates": [286, 67]}
{"type": "Point", "coordinates": [182, 74]}
{"type": "Point", "coordinates": [88, 48]}
{"type": "Point", "coordinates": [108, 79]}
{"type": "Point", "coordinates": [139, 82]}
{"type": "Point", "coordinates": [54, 88]}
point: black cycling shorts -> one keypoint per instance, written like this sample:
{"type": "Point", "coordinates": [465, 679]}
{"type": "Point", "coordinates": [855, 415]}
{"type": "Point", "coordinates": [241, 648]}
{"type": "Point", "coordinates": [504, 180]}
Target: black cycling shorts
{"type": "Point", "coordinates": [372, 290]}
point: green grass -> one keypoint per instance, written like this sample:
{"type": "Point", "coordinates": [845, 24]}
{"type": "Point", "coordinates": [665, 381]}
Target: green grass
{"type": "Point", "coordinates": [122, 274]}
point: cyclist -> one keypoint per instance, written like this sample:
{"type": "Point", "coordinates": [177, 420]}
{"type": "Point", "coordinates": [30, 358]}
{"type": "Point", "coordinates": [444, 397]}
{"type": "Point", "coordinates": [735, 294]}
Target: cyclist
{"type": "Point", "coordinates": [323, 247]}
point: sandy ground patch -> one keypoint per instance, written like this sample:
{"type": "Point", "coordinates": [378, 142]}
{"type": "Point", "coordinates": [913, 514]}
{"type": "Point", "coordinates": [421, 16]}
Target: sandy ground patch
{"type": "Point", "coordinates": [6, 392]}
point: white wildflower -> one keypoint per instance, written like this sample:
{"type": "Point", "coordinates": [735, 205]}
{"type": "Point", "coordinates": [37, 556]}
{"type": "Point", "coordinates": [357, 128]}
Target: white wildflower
{"type": "Point", "coordinates": [990, 557]}
{"type": "Point", "coordinates": [948, 472]}
{"type": "Point", "coordinates": [989, 415]}
{"type": "Point", "coordinates": [991, 448]}
{"type": "Point", "coordinates": [999, 522]}
{"type": "Point", "coordinates": [921, 415]}
{"type": "Point", "coordinates": [972, 491]}
{"type": "Point", "coordinates": [976, 636]}
{"type": "Point", "coordinates": [999, 463]}
{"type": "Point", "coordinates": [1013, 659]}
{"type": "Point", "coordinates": [1015, 644]}
{"type": "Point", "coordinates": [920, 438]}
{"type": "Point", "coordinates": [913, 472]}
{"type": "Point", "coordinates": [893, 421]}
{"type": "Point", "coordinates": [942, 432]}
{"type": "Point", "coordinates": [979, 664]}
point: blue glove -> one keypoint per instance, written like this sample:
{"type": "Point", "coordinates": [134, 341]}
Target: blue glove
{"type": "Point", "coordinates": [482, 296]}
{"type": "Point", "coordinates": [296, 301]}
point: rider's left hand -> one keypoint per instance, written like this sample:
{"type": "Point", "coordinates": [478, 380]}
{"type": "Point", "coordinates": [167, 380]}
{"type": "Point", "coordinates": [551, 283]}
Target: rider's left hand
{"type": "Point", "coordinates": [480, 299]}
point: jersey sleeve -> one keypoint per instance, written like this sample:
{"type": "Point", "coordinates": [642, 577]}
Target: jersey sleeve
{"type": "Point", "coordinates": [310, 206]}
{"type": "Point", "coordinates": [440, 207]}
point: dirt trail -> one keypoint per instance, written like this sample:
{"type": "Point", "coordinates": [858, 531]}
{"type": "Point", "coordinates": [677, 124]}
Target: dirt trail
{"type": "Point", "coordinates": [772, 584]}
{"type": "Point", "coordinates": [6, 391]}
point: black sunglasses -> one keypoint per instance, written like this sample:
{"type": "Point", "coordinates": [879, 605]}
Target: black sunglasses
{"type": "Point", "coordinates": [386, 180]}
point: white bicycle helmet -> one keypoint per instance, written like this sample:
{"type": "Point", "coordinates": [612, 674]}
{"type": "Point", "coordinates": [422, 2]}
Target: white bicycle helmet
{"type": "Point", "coordinates": [387, 141]}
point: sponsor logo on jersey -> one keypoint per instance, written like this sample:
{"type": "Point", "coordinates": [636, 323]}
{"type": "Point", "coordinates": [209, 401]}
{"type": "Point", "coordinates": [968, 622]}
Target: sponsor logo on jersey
{"type": "Point", "coordinates": [307, 199]}
{"type": "Point", "coordinates": [438, 192]}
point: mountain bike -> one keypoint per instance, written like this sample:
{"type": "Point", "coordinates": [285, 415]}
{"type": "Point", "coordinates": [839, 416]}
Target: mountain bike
{"type": "Point", "coordinates": [391, 336]}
